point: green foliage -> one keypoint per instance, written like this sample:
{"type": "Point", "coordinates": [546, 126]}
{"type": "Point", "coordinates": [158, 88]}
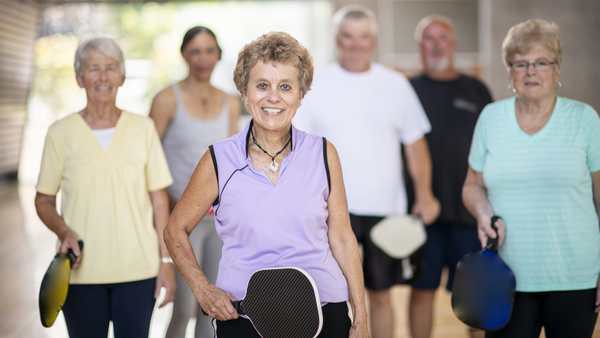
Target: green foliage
{"type": "Point", "coordinates": [140, 29]}
{"type": "Point", "coordinates": [54, 81]}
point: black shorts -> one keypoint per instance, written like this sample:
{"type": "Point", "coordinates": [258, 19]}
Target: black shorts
{"type": "Point", "coordinates": [336, 324]}
{"type": "Point", "coordinates": [381, 272]}
{"type": "Point", "coordinates": [446, 244]}
{"type": "Point", "coordinates": [562, 314]}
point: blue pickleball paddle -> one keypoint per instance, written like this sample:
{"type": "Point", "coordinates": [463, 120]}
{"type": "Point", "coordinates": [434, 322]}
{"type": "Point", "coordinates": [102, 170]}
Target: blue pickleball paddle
{"type": "Point", "coordinates": [484, 288]}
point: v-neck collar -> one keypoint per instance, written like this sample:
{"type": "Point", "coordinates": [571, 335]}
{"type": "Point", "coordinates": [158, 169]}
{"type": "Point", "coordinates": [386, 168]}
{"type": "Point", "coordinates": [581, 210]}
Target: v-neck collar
{"type": "Point", "coordinates": [284, 162]}
{"type": "Point", "coordinates": [249, 128]}
{"type": "Point", "coordinates": [116, 138]}
{"type": "Point", "coordinates": [94, 152]}
{"type": "Point", "coordinates": [545, 129]}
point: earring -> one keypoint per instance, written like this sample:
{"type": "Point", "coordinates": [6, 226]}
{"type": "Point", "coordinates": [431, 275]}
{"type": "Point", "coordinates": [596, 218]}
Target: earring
{"type": "Point", "coordinates": [511, 87]}
{"type": "Point", "coordinates": [559, 85]}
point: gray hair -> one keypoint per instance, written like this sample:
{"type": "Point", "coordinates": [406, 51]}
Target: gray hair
{"type": "Point", "coordinates": [104, 44]}
{"type": "Point", "coordinates": [355, 12]}
{"type": "Point", "coordinates": [428, 20]}
{"type": "Point", "coordinates": [522, 37]}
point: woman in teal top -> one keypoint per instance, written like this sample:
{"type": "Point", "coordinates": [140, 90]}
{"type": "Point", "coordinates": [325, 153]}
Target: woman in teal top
{"type": "Point", "coordinates": [535, 162]}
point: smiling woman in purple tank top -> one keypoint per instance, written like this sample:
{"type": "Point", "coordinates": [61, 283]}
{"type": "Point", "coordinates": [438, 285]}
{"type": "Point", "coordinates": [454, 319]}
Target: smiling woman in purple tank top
{"type": "Point", "coordinates": [278, 196]}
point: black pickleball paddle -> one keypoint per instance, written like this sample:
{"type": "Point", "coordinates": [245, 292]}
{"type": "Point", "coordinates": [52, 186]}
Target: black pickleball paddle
{"type": "Point", "coordinates": [55, 285]}
{"type": "Point", "coordinates": [484, 288]}
{"type": "Point", "coordinates": [282, 302]}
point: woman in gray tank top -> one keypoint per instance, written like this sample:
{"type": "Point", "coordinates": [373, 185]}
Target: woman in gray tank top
{"type": "Point", "coordinates": [189, 116]}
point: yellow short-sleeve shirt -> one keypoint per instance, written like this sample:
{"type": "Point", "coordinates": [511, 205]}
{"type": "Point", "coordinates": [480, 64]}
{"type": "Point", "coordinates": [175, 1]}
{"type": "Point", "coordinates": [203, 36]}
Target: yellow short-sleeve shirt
{"type": "Point", "coordinates": [105, 195]}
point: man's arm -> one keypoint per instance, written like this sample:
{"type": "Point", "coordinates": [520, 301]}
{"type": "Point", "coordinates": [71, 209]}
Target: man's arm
{"type": "Point", "coordinates": [419, 168]}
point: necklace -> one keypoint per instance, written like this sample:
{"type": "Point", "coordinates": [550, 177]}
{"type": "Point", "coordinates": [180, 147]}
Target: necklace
{"type": "Point", "coordinates": [203, 98]}
{"type": "Point", "coordinates": [273, 166]}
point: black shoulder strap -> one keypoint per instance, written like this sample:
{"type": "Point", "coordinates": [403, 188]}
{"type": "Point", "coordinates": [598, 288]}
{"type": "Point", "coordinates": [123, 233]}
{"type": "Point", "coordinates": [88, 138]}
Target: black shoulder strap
{"type": "Point", "coordinates": [326, 163]}
{"type": "Point", "coordinates": [214, 160]}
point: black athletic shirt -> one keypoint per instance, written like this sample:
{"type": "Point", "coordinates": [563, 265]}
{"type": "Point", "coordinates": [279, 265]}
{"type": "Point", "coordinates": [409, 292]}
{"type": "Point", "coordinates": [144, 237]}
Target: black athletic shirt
{"type": "Point", "coordinates": [452, 108]}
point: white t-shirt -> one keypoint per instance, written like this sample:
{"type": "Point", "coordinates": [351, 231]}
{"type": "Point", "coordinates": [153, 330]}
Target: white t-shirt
{"type": "Point", "coordinates": [366, 116]}
{"type": "Point", "coordinates": [104, 136]}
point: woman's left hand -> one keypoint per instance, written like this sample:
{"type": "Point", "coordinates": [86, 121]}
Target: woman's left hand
{"type": "Point", "coordinates": [166, 279]}
{"type": "Point", "coordinates": [359, 331]}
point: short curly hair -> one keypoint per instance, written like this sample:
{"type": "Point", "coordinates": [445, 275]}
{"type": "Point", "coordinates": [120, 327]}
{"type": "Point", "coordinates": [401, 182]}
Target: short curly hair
{"type": "Point", "coordinates": [522, 37]}
{"type": "Point", "coordinates": [277, 47]}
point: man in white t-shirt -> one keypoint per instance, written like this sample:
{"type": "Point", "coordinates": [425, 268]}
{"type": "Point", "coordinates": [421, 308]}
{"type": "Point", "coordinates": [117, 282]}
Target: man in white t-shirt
{"type": "Point", "coordinates": [367, 110]}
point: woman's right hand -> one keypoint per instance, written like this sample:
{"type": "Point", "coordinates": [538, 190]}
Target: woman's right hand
{"type": "Point", "coordinates": [217, 303]}
{"type": "Point", "coordinates": [484, 230]}
{"type": "Point", "coordinates": [69, 240]}
{"type": "Point", "coordinates": [359, 331]}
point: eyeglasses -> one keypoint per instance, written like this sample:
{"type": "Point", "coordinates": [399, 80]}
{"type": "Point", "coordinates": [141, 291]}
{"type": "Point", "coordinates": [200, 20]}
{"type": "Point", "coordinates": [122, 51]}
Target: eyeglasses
{"type": "Point", "coordinates": [522, 66]}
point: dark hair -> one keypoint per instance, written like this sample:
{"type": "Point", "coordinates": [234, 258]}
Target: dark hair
{"type": "Point", "coordinates": [192, 32]}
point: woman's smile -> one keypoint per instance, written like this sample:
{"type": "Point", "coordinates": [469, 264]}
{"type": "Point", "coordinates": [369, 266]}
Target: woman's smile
{"type": "Point", "coordinates": [272, 111]}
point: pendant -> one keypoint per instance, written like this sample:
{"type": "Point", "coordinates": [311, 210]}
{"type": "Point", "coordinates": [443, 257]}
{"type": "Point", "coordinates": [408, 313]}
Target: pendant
{"type": "Point", "coordinates": [273, 167]}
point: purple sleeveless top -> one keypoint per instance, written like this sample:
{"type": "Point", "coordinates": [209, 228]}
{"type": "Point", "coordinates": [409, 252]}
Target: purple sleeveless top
{"type": "Point", "coordinates": [267, 226]}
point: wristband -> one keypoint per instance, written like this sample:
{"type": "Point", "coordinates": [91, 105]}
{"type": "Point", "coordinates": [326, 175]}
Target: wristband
{"type": "Point", "coordinates": [166, 260]}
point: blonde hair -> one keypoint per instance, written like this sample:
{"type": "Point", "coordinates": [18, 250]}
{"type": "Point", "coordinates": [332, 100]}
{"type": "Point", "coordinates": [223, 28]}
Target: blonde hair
{"type": "Point", "coordinates": [428, 20]}
{"type": "Point", "coordinates": [523, 36]}
{"type": "Point", "coordinates": [104, 44]}
{"type": "Point", "coordinates": [355, 12]}
{"type": "Point", "coordinates": [277, 47]}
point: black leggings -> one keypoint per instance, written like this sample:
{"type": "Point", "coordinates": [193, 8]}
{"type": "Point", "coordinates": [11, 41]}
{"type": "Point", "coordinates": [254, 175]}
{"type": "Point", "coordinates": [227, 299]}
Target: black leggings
{"type": "Point", "coordinates": [90, 308]}
{"type": "Point", "coordinates": [336, 324]}
{"type": "Point", "coordinates": [561, 313]}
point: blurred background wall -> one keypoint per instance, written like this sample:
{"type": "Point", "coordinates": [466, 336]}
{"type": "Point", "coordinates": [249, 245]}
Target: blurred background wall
{"type": "Point", "coordinates": [38, 39]}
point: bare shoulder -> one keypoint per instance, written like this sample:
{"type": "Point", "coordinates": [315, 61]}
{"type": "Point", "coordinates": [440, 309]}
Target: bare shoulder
{"type": "Point", "coordinates": [163, 109]}
{"type": "Point", "coordinates": [332, 154]}
{"type": "Point", "coordinates": [333, 162]}
{"type": "Point", "coordinates": [203, 183]}
{"type": "Point", "coordinates": [165, 97]}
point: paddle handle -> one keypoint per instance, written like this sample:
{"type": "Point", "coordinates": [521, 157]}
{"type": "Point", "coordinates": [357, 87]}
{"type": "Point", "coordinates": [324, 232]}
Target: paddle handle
{"type": "Point", "coordinates": [237, 304]}
{"type": "Point", "coordinates": [492, 243]}
{"type": "Point", "coordinates": [71, 254]}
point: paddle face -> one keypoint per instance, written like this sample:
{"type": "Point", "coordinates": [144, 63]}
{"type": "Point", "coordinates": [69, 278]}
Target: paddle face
{"type": "Point", "coordinates": [53, 291]}
{"type": "Point", "coordinates": [55, 284]}
{"type": "Point", "coordinates": [282, 302]}
{"type": "Point", "coordinates": [399, 236]}
{"type": "Point", "coordinates": [483, 291]}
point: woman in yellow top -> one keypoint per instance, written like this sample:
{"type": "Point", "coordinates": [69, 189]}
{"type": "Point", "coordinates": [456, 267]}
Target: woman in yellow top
{"type": "Point", "coordinates": [112, 173]}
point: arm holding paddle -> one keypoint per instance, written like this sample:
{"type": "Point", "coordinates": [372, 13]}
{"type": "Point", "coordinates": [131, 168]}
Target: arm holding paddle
{"type": "Point", "coordinates": [45, 206]}
{"type": "Point", "coordinates": [596, 189]}
{"type": "Point", "coordinates": [166, 274]}
{"type": "Point", "coordinates": [476, 201]}
{"type": "Point", "coordinates": [344, 246]}
{"type": "Point", "coordinates": [419, 167]}
{"type": "Point", "coordinates": [201, 192]}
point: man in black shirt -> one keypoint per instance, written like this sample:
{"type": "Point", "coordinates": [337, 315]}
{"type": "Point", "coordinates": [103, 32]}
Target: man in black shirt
{"type": "Point", "coordinates": [452, 102]}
